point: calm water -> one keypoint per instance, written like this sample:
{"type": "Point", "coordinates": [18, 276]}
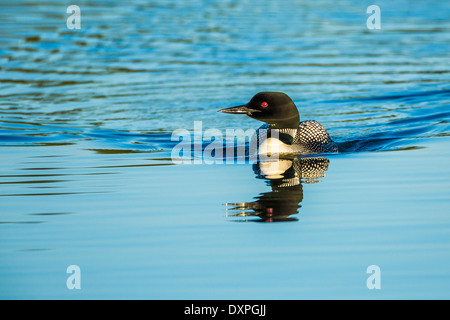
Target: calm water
{"type": "Point", "coordinates": [86, 176]}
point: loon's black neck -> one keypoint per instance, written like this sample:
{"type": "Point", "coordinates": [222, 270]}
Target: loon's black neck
{"type": "Point", "coordinates": [291, 122]}
{"type": "Point", "coordinates": [286, 129]}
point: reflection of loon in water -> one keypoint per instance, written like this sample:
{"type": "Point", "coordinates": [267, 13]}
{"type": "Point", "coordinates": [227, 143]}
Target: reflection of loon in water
{"type": "Point", "coordinates": [285, 176]}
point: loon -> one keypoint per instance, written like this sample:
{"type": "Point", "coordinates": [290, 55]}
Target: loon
{"type": "Point", "coordinates": [279, 113]}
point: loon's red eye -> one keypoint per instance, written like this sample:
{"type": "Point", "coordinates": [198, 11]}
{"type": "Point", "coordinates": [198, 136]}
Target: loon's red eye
{"type": "Point", "coordinates": [264, 104]}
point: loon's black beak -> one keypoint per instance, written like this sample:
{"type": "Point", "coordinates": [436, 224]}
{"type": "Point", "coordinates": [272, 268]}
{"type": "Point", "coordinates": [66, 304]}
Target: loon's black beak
{"type": "Point", "coordinates": [239, 109]}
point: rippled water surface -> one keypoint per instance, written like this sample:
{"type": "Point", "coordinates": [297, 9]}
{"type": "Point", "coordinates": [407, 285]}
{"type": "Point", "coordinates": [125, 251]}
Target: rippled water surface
{"type": "Point", "coordinates": [87, 178]}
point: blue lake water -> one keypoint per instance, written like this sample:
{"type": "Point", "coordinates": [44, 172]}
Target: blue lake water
{"type": "Point", "coordinates": [87, 178]}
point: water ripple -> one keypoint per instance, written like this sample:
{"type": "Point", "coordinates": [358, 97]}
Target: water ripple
{"type": "Point", "coordinates": [137, 71]}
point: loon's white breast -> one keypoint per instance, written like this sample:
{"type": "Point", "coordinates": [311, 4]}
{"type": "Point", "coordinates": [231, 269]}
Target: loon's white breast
{"type": "Point", "coordinates": [274, 146]}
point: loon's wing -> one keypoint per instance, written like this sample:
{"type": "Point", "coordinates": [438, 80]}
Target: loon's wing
{"type": "Point", "coordinates": [313, 137]}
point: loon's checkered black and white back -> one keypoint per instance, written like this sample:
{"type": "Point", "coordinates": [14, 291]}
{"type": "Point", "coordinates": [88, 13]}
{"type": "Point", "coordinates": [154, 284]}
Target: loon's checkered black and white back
{"type": "Point", "coordinates": [314, 137]}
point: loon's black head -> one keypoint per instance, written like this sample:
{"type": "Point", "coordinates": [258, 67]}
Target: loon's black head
{"type": "Point", "coordinates": [274, 108]}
